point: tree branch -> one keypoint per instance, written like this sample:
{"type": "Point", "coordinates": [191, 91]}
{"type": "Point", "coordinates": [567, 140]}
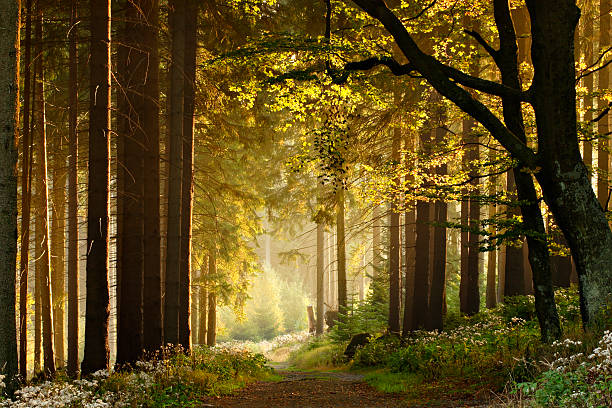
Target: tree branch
{"type": "Point", "coordinates": [434, 72]}
{"type": "Point", "coordinates": [490, 50]}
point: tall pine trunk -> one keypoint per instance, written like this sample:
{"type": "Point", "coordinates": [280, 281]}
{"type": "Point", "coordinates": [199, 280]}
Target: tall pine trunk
{"type": "Point", "coordinates": [96, 353]}
{"type": "Point", "coordinates": [152, 301]}
{"type": "Point", "coordinates": [73, 230]}
{"type": "Point", "coordinates": [26, 195]}
{"type": "Point", "coordinates": [320, 278]}
{"type": "Point", "coordinates": [203, 302]}
{"type": "Point", "coordinates": [191, 20]}
{"type": "Point", "coordinates": [44, 280]}
{"type": "Point", "coordinates": [438, 279]}
{"type": "Point", "coordinates": [422, 266]}
{"type": "Point", "coordinates": [58, 243]}
{"type": "Point", "coordinates": [341, 251]}
{"type": "Point", "coordinates": [211, 330]}
{"type": "Point", "coordinates": [394, 242]}
{"type": "Point", "coordinates": [9, 117]}
{"type": "Point", "coordinates": [132, 68]}
{"type": "Point", "coordinates": [173, 249]}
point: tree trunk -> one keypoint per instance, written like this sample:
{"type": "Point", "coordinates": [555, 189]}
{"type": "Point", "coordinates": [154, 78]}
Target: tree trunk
{"type": "Point", "coordinates": [173, 250]}
{"type": "Point", "coordinates": [187, 176]}
{"type": "Point", "coordinates": [73, 230]}
{"type": "Point", "coordinates": [320, 278]}
{"type": "Point", "coordinates": [195, 305]}
{"type": "Point", "coordinates": [532, 216]}
{"type": "Point", "coordinates": [203, 303]}
{"type": "Point", "coordinates": [341, 252]}
{"type": "Point", "coordinates": [211, 331]}
{"type": "Point", "coordinates": [43, 194]}
{"type": "Point", "coordinates": [96, 353]}
{"type": "Point", "coordinates": [26, 194]}
{"type": "Point", "coordinates": [464, 250]}
{"type": "Point", "coordinates": [394, 241]}
{"type": "Point", "coordinates": [375, 241]}
{"type": "Point", "coordinates": [471, 293]}
{"type": "Point", "coordinates": [58, 227]}
{"type": "Point", "coordinates": [422, 266]}
{"type": "Point", "coordinates": [561, 266]}
{"type": "Point", "coordinates": [438, 278]}
{"type": "Point", "coordinates": [409, 281]}
{"type": "Point", "coordinates": [564, 178]}
{"type": "Point", "coordinates": [9, 117]}
{"type": "Point", "coordinates": [491, 293]}
{"type": "Point", "coordinates": [152, 301]}
{"type": "Point", "coordinates": [132, 68]}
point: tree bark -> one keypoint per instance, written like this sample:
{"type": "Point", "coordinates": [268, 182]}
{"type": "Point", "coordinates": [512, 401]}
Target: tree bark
{"type": "Point", "coordinates": [203, 302]}
{"type": "Point", "coordinates": [409, 281]}
{"type": "Point", "coordinates": [58, 243]}
{"type": "Point", "coordinates": [187, 176]}
{"type": "Point", "coordinates": [43, 194]}
{"type": "Point", "coordinates": [73, 230]}
{"type": "Point", "coordinates": [376, 241]}
{"type": "Point", "coordinates": [341, 251]}
{"type": "Point", "coordinates": [132, 68]}
{"type": "Point", "coordinates": [491, 293]}
{"type": "Point", "coordinates": [320, 278]}
{"type": "Point", "coordinates": [9, 117]}
{"type": "Point", "coordinates": [394, 241]}
{"type": "Point", "coordinates": [532, 216]}
{"type": "Point", "coordinates": [438, 279]}
{"type": "Point", "coordinates": [173, 250]}
{"type": "Point", "coordinates": [211, 331]}
{"type": "Point", "coordinates": [26, 194]}
{"type": "Point", "coordinates": [422, 267]}
{"type": "Point", "coordinates": [471, 280]}
{"type": "Point", "coordinates": [152, 301]}
{"type": "Point", "coordinates": [96, 353]}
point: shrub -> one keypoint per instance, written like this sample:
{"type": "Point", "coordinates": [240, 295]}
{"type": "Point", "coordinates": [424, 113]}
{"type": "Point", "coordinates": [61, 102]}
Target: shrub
{"type": "Point", "coordinates": [575, 378]}
{"type": "Point", "coordinates": [172, 378]}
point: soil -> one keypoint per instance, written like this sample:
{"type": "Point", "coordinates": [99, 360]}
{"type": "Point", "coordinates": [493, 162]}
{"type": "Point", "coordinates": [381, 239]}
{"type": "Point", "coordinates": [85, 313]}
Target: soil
{"type": "Point", "coordinates": [317, 390]}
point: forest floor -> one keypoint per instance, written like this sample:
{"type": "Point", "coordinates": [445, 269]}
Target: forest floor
{"type": "Point", "coordinates": [321, 389]}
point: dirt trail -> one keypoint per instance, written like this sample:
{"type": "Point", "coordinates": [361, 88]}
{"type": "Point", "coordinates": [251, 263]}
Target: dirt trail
{"type": "Point", "coordinates": [309, 390]}
{"type": "Point", "coordinates": [320, 389]}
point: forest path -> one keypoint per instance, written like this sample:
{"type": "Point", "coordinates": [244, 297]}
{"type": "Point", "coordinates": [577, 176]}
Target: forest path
{"type": "Point", "coordinates": [309, 389]}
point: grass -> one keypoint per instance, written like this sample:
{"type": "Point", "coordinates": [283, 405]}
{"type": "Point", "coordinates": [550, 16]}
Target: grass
{"type": "Point", "coordinates": [318, 355]}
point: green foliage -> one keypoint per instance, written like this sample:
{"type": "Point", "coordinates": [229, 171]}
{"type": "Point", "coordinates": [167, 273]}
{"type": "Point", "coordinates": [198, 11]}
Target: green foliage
{"type": "Point", "coordinates": [369, 316]}
{"type": "Point", "coordinates": [318, 353]}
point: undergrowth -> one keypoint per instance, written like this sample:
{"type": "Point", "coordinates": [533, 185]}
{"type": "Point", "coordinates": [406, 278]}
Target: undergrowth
{"type": "Point", "coordinates": [496, 352]}
{"type": "Point", "coordinates": [172, 378]}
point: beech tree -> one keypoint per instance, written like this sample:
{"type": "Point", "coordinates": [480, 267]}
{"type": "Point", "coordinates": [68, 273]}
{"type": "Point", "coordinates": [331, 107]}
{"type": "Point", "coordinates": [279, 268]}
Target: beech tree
{"type": "Point", "coordinates": [557, 165]}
